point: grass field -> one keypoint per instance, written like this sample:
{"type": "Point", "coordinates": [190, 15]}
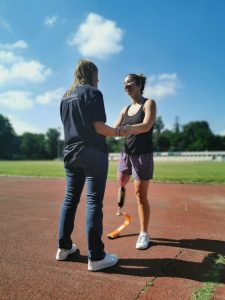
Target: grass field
{"type": "Point", "coordinates": [183, 172]}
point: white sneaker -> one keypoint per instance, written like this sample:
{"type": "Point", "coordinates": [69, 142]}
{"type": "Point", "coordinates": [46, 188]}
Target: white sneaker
{"type": "Point", "coordinates": [142, 241]}
{"type": "Point", "coordinates": [108, 261]}
{"type": "Point", "coordinates": [63, 253]}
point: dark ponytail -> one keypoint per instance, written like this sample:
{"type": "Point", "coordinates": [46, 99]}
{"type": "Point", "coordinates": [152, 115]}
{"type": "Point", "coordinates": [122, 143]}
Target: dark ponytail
{"type": "Point", "coordinates": [139, 80]}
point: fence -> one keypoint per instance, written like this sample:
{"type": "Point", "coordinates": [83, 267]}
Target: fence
{"type": "Point", "coordinates": [183, 156]}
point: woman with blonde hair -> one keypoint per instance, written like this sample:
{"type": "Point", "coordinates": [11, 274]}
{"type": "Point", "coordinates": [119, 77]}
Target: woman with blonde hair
{"type": "Point", "coordinates": [86, 162]}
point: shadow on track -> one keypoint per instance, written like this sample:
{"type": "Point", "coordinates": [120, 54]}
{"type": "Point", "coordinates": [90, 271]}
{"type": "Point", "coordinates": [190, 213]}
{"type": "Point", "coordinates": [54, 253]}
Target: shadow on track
{"type": "Point", "coordinates": [169, 267]}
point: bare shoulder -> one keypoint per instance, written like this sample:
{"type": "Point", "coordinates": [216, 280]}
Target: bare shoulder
{"type": "Point", "coordinates": [123, 110]}
{"type": "Point", "coordinates": [149, 104]}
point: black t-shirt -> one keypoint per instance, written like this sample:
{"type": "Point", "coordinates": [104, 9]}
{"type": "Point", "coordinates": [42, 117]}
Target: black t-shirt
{"type": "Point", "coordinates": [137, 143]}
{"type": "Point", "coordinates": [78, 112]}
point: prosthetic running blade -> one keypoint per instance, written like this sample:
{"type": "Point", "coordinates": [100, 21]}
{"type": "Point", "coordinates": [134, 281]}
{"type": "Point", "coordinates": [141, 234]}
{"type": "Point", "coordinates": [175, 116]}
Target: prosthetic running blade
{"type": "Point", "coordinates": [115, 233]}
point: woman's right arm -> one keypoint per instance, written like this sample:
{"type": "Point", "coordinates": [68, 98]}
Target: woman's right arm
{"type": "Point", "coordinates": [120, 118]}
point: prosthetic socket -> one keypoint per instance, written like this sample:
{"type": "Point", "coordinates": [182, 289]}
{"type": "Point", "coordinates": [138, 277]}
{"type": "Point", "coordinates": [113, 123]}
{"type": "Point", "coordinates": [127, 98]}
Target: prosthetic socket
{"type": "Point", "coordinates": [121, 199]}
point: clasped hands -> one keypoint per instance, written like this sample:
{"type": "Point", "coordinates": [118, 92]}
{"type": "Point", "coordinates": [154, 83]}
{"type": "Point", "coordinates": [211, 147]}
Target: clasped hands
{"type": "Point", "coordinates": [124, 130]}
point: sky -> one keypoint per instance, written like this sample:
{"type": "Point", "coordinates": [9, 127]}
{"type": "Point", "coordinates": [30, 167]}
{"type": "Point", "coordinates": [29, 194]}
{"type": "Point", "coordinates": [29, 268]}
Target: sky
{"type": "Point", "coordinates": [179, 45]}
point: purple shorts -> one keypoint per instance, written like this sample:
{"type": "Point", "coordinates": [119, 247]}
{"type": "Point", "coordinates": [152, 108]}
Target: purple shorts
{"type": "Point", "coordinates": [139, 166]}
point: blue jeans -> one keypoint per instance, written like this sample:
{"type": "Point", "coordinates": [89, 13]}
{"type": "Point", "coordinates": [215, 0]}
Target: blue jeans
{"type": "Point", "coordinates": [90, 168]}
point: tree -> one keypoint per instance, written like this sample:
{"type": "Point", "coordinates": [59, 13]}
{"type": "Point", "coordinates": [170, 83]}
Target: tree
{"type": "Point", "coordinates": [6, 137]}
{"type": "Point", "coordinates": [52, 143]}
{"type": "Point", "coordinates": [164, 140]}
{"type": "Point", "coordinates": [159, 125]}
{"type": "Point", "coordinates": [218, 143]}
{"type": "Point", "coordinates": [176, 125]}
{"type": "Point", "coordinates": [197, 136]}
{"type": "Point", "coordinates": [176, 137]}
{"type": "Point", "coordinates": [16, 145]}
{"type": "Point", "coordinates": [33, 146]}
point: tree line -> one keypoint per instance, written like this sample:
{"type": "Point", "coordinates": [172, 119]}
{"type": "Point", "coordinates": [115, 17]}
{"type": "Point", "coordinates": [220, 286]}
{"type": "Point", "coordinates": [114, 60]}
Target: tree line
{"type": "Point", "coordinates": [194, 136]}
{"type": "Point", "coordinates": [28, 145]}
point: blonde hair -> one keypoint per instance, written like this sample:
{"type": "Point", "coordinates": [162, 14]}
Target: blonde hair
{"type": "Point", "coordinates": [82, 74]}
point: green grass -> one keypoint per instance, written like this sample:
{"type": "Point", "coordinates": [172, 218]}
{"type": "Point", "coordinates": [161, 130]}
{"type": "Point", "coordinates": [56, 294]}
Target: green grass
{"type": "Point", "coordinates": [201, 172]}
{"type": "Point", "coordinates": [210, 280]}
{"type": "Point", "coordinates": [183, 172]}
{"type": "Point", "coordinates": [32, 168]}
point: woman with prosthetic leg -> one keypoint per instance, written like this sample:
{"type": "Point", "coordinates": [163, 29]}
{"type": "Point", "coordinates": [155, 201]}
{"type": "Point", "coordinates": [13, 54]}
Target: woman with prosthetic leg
{"type": "Point", "coordinates": [136, 158]}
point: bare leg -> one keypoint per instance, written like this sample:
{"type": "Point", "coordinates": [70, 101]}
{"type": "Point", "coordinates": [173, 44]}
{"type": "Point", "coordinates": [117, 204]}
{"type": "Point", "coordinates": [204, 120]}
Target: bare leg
{"type": "Point", "coordinates": [141, 191]}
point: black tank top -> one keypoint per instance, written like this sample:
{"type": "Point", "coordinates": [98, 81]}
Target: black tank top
{"type": "Point", "coordinates": [137, 143]}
